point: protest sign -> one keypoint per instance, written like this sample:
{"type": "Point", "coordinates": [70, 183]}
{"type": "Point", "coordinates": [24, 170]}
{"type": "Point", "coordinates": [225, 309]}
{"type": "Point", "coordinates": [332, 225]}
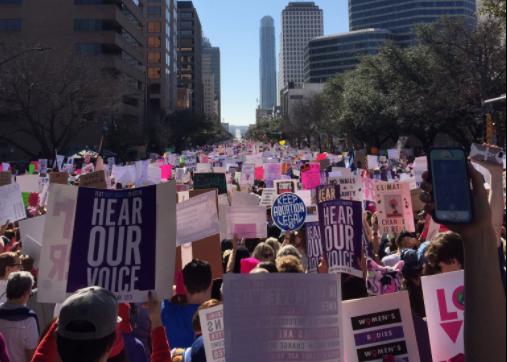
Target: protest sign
{"type": "Point", "coordinates": [324, 164]}
{"type": "Point", "coordinates": [247, 222]}
{"type": "Point", "coordinates": [284, 186]}
{"type": "Point", "coordinates": [394, 154]}
{"type": "Point", "coordinates": [378, 327]}
{"type": "Point", "coordinates": [272, 172]}
{"type": "Point", "coordinates": [310, 177]}
{"type": "Point", "coordinates": [394, 206]}
{"type": "Point", "coordinates": [372, 162]}
{"type": "Point", "coordinates": [12, 207]}
{"type": "Point", "coordinates": [445, 308]}
{"type": "Point", "coordinates": [327, 193]}
{"type": "Point", "coordinates": [31, 231]}
{"type": "Point", "coordinates": [244, 199]}
{"type": "Point", "coordinates": [212, 327]}
{"type": "Point", "coordinates": [288, 212]}
{"type": "Point", "coordinates": [43, 166]}
{"type": "Point", "coordinates": [61, 178]}
{"type": "Point", "coordinates": [29, 183]}
{"type": "Point", "coordinates": [341, 227]}
{"type": "Point", "coordinates": [351, 186]}
{"type": "Point", "coordinates": [5, 178]}
{"type": "Point", "coordinates": [314, 246]}
{"type": "Point", "coordinates": [197, 218]}
{"type": "Point", "coordinates": [203, 168]}
{"type": "Point", "coordinates": [284, 317]}
{"type": "Point", "coordinates": [268, 197]}
{"type": "Point", "coordinates": [247, 174]}
{"type": "Point", "coordinates": [96, 180]}
{"type": "Point", "coordinates": [420, 166]}
{"type": "Point", "coordinates": [122, 240]}
{"type": "Point", "coordinates": [210, 181]}
{"type": "Point", "coordinates": [124, 175]}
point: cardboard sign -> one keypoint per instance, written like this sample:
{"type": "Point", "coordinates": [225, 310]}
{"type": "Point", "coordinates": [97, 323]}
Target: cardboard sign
{"type": "Point", "coordinates": [351, 186]}
{"type": "Point", "coordinates": [212, 327]}
{"type": "Point", "coordinates": [210, 181]}
{"type": "Point", "coordinates": [313, 246]}
{"type": "Point", "coordinates": [61, 178]}
{"type": "Point", "coordinates": [310, 178]}
{"type": "Point", "coordinates": [372, 162]}
{"type": "Point", "coordinates": [12, 207]}
{"type": "Point", "coordinates": [284, 186]}
{"type": "Point", "coordinates": [247, 222]}
{"type": "Point", "coordinates": [197, 218]}
{"type": "Point", "coordinates": [29, 183]}
{"type": "Point", "coordinates": [122, 240]}
{"type": "Point", "coordinates": [95, 180]}
{"type": "Point", "coordinates": [247, 174]}
{"type": "Point", "coordinates": [327, 193]}
{"type": "Point", "coordinates": [341, 227]}
{"type": "Point", "coordinates": [5, 178]}
{"type": "Point", "coordinates": [394, 206]}
{"type": "Point", "coordinates": [288, 212]}
{"type": "Point", "coordinates": [444, 301]}
{"type": "Point", "coordinates": [379, 327]}
{"type": "Point", "coordinates": [203, 168]}
{"type": "Point", "coordinates": [31, 231]}
{"type": "Point", "coordinates": [282, 317]}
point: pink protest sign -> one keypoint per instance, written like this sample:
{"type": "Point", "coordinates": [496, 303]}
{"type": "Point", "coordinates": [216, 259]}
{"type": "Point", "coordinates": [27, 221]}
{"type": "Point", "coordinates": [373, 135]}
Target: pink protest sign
{"type": "Point", "coordinates": [259, 173]}
{"type": "Point", "coordinates": [311, 177]}
{"type": "Point", "coordinates": [247, 231]}
{"type": "Point", "coordinates": [166, 172]}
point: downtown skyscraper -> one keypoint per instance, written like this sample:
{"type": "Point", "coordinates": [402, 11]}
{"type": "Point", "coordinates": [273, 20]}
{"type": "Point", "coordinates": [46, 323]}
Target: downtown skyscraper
{"type": "Point", "coordinates": [267, 64]}
{"type": "Point", "coordinates": [211, 78]}
{"type": "Point", "coordinates": [301, 22]}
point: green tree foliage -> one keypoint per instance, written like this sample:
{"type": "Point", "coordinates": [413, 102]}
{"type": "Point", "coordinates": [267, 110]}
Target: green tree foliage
{"type": "Point", "coordinates": [268, 131]}
{"type": "Point", "coordinates": [495, 8]}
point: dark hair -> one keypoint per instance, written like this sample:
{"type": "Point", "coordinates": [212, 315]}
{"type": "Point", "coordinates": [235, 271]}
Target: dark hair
{"type": "Point", "coordinates": [90, 350]}
{"type": "Point", "coordinates": [7, 259]}
{"type": "Point", "coordinates": [241, 253]}
{"type": "Point", "coordinates": [403, 235]}
{"type": "Point", "coordinates": [269, 266]}
{"type": "Point", "coordinates": [197, 276]}
{"type": "Point", "coordinates": [251, 244]}
{"type": "Point", "coordinates": [226, 245]}
{"type": "Point", "coordinates": [19, 284]}
{"type": "Point", "coordinates": [443, 249]}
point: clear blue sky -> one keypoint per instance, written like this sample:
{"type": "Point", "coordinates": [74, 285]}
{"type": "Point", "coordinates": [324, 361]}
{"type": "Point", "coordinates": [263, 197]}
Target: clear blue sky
{"type": "Point", "coordinates": [233, 25]}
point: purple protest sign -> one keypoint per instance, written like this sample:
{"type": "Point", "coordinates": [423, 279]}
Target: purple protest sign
{"type": "Point", "coordinates": [114, 241]}
{"type": "Point", "coordinates": [313, 245]}
{"type": "Point", "coordinates": [341, 229]}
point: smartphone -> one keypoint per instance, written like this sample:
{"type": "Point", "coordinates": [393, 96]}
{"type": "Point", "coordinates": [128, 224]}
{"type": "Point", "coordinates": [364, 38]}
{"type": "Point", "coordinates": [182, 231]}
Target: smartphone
{"type": "Point", "coordinates": [452, 195]}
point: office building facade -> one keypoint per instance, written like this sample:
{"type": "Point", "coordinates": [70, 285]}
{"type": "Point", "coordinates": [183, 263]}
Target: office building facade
{"type": "Point", "coordinates": [267, 64]}
{"type": "Point", "coordinates": [111, 31]}
{"type": "Point", "coordinates": [401, 16]}
{"type": "Point", "coordinates": [161, 57]}
{"type": "Point", "coordinates": [301, 22]}
{"type": "Point", "coordinates": [190, 54]}
{"type": "Point", "coordinates": [211, 75]}
{"type": "Point", "coordinates": [327, 56]}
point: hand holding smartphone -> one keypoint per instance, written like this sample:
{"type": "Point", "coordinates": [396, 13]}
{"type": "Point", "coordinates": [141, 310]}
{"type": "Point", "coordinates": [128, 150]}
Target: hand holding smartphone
{"type": "Point", "coordinates": [452, 195]}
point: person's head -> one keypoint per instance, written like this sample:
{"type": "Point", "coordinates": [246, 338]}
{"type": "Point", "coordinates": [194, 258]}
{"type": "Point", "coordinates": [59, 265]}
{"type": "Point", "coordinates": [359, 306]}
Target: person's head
{"type": "Point", "coordinates": [264, 252]}
{"type": "Point", "coordinates": [288, 250]}
{"type": "Point", "coordinates": [444, 254]}
{"type": "Point", "coordinates": [289, 264]}
{"type": "Point", "coordinates": [196, 321]}
{"type": "Point", "coordinates": [197, 278]}
{"type": "Point", "coordinates": [9, 263]}
{"type": "Point", "coordinates": [274, 243]}
{"type": "Point", "coordinates": [298, 240]}
{"type": "Point", "coordinates": [407, 240]}
{"type": "Point", "coordinates": [269, 266]}
{"type": "Point", "coordinates": [241, 253]}
{"type": "Point", "coordinates": [87, 326]}
{"type": "Point", "coordinates": [19, 287]}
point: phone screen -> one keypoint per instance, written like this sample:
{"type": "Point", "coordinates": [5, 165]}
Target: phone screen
{"type": "Point", "coordinates": [451, 185]}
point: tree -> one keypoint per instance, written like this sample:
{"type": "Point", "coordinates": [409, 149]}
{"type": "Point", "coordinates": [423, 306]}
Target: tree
{"type": "Point", "coordinates": [46, 104]}
{"type": "Point", "coordinates": [495, 8]}
{"type": "Point", "coordinates": [268, 131]}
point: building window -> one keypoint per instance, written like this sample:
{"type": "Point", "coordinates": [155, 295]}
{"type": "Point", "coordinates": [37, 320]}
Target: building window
{"type": "Point", "coordinates": [154, 27]}
{"type": "Point", "coordinates": [10, 25]}
{"type": "Point", "coordinates": [154, 73]}
{"type": "Point", "coordinates": [89, 48]}
{"type": "Point", "coordinates": [154, 42]}
{"type": "Point", "coordinates": [154, 57]}
{"type": "Point", "coordinates": [90, 25]}
{"type": "Point", "coordinates": [154, 10]}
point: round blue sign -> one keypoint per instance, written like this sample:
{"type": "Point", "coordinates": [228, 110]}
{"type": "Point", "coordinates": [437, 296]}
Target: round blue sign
{"type": "Point", "coordinates": [288, 212]}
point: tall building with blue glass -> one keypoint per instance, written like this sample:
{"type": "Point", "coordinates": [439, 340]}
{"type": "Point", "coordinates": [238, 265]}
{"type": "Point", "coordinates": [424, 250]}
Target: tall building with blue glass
{"type": "Point", "coordinates": [267, 63]}
{"type": "Point", "coordinates": [402, 16]}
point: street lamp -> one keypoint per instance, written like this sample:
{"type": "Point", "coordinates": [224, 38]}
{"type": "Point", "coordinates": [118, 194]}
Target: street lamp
{"type": "Point", "coordinates": [15, 56]}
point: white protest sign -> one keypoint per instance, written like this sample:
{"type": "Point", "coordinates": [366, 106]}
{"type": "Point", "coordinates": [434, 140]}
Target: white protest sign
{"type": "Point", "coordinates": [351, 186]}
{"type": "Point", "coordinates": [444, 301]}
{"type": "Point", "coordinates": [31, 232]}
{"type": "Point", "coordinates": [378, 327]}
{"type": "Point", "coordinates": [394, 154]}
{"type": "Point", "coordinates": [247, 222]}
{"type": "Point", "coordinates": [80, 225]}
{"type": "Point", "coordinates": [203, 168]}
{"type": "Point", "coordinates": [11, 204]}
{"type": "Point", "coordinates": [394, 206]}
{"type": "Point", "coordinates": [372, 162]}
{"type": "Point", "coordinates": [212, 327]}
{"type": "Point", "coordinates": [247, 174]}
{"type": "Point", "coordinates": [197, 218]}
{"type": "Point", "coordinates": [420, 166]}
{"type": "Point", "coordinates": [244, 199]}
{"type": "Point", "coordinates": [268, 196]}
{"type": "Point", "coordinates": [283, 317]}
{"type": "Point", "coordinates": [29, 183]}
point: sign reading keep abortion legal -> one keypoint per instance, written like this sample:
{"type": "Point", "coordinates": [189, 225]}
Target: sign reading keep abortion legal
{"type": "Point", "coordinates": [288, 212]}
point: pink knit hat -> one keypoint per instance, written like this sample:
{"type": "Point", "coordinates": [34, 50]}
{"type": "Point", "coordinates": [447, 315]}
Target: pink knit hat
{"type": "Point", "coordinates": [248, 264]}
